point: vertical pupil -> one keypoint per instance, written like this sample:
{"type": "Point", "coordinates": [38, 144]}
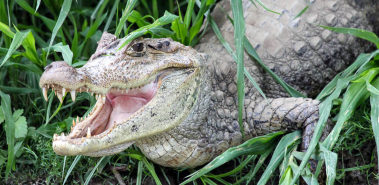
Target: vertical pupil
{"type": "Point", "coordinates": [138, 47]}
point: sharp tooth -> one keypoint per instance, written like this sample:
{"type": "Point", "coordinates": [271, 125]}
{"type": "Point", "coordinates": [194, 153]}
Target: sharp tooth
{"type": "Point", "coordinates": [77, 119]}
{"type": "Point", "coordinates": [71, 129]}
{"type": "Point", "coordinates": [87, 89]}
{"type": "Point", "coordinates": [62, 134]}
{"type": "Point", "coordinates": [44, 91]}
{"type": "Point", "coordinates": [52, 85]}
{"type": "Point", "coordinates": [88, 133]}
{"type": "Point", "coordinates": [103, 99]}
{"type": "Point", "coordinates": [83, 139]}
{"type": "Point", "coordinates": [81, 119]}
{"type": "Point", "coordinates": [97, 97]}
{"type": "Point", "coordinates": [60, 97]}
{"type": "Point", "coordinates": [73, 122]}
{"type": "Point", "coordinates": [55, 137]}
{"type": "Point", "coordinates": [48, 86]}
{"type": "Point", "coordinates": [80, 90]}
{"type": "Point", "coordinates": [55, 92]}
{"type": "Point", "coordinates": [73, 95]}
{"type": "Point", "coordinates": [126, 90]}
{"type": "Point", "coordinates": [91, 93]}
{"type": "Point", "coordinates": [63, 91]}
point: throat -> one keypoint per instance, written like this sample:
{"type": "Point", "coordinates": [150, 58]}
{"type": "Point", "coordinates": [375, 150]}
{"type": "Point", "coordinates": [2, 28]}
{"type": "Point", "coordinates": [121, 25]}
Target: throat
{"type": "Point", "coordinates": [123, 107]}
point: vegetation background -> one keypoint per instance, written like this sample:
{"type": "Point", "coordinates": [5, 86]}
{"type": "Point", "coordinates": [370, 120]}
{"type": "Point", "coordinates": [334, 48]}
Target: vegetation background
{"type": "Point", "coordinates": [35, 33]}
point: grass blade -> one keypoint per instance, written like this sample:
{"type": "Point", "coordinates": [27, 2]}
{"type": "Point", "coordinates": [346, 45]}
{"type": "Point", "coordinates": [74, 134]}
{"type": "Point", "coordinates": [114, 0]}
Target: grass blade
{"type": "Point", "coordinates": [260, 3]}
{"type": "Point", "coordinates": [239, 34]}
{"type": "Point", "coordinates": [65, 50]}
{"type": "Point", "coordinates": [286, 144]}
{"type": "Point", "coordinates": [10, 130]}
{"type": "Point", "coordinates": [111, 15]}
{"type": "Point", "coordinates": [165, 19]}
{"type": "Point", "coordinates": [235, 170]}
{"type": "Point", "coordinates": [18, 38]}
{"type": "Point", "coordinates": [251, 51]}
{"type": "Point", "coordinates": [76, 160]}
{"type": "Point", "coordinates": [62, 16]}
{"type": "Point", "coordinates": [93, 170]}
{"type": "Point", "coordinates": [188, 15]}
{"type": "Point", "coordinates": [255, 146]}
{"type": "Point", "coordinates": [363, 34]}
{"type": "Point", "coordinates": [330, 163]}
{"type": "Point", "coordinates": [129, 6]}
{"type": "Point", "coordinates": [139, 172]}
{"type": "Point", "coordinates": [374, 99]}
{"type": "Point", "coordinates": [150, 167]}
{"type": "Point", "coordinates": [324, 112]}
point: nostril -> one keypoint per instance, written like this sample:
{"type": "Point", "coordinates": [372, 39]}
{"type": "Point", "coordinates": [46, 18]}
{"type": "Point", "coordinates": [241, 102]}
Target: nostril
{"type": "Point", "coordinates": [48, 67]}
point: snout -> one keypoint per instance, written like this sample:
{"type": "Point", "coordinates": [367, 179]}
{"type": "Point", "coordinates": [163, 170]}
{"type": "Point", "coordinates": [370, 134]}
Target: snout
{"type": "Point", "coordinates": [62, 74]}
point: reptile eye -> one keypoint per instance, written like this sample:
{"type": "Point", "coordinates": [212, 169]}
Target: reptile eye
{"type": "Point", "coordinates": [159, 45]}
{"type": "Point", "coordinates": [167, 43]}
{"type": "Point", "coordinates": [138, 47]}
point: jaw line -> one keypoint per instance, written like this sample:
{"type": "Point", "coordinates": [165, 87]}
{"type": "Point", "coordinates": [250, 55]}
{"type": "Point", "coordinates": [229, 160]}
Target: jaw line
{"type": "Point", "coordinates": [112, 139]}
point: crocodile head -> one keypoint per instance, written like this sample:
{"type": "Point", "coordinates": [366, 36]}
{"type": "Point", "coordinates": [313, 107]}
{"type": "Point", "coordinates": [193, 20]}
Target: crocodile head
{"type": "Point", "coordinates": [139, 88]}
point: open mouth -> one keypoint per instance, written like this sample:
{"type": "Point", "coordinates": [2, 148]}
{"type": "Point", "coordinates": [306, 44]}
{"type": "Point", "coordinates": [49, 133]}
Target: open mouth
{"type": "Point", "coordinates": [111, 109]}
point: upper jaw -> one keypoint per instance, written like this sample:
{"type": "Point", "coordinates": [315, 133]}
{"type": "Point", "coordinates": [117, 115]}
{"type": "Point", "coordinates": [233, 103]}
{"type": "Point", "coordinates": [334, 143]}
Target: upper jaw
{"type": "Point", "coordinates": [136, 126]}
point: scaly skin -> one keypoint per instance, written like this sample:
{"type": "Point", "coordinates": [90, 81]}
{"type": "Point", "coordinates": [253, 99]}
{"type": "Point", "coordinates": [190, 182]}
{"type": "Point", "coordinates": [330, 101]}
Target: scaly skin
{"type": "Point", "coordinates": [193, 118]}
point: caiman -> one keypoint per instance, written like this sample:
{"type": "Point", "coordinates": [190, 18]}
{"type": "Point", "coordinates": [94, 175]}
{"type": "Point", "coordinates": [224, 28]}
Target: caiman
{"type": "Point", "coordinates": [179, 104]}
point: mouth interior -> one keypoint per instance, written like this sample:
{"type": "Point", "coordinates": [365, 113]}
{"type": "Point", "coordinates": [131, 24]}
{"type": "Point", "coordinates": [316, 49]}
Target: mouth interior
{"type": "Point", "coordinates": [116, 107]}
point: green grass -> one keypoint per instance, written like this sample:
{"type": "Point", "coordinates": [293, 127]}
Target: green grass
{"type": "Point", "coordinates": [39, 32]}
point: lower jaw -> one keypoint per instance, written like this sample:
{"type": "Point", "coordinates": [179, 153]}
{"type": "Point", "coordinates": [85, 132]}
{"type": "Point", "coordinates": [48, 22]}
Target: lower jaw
{"type": "Point", "coordinates": [112, 109]}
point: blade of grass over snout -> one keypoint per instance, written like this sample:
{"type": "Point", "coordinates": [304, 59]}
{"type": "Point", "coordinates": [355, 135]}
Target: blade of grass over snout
{"type": "Point", "coordinates": [167, 18]}
{"type": "Point", "coordinates": [76, 160]}
{"type": "Point", "coordinates": [286, 144]}
{"type": "Point", "coordinates": [363, 34]}
{"type": "Point", "coordinates": [251, 51]}
{"type": "Point", "coordinates": [62, 16]}
{"type": "Point", "coordinates": [239, 33]}
{"type": "Point", "coordinates": [18, 38]}
{"type": "Point", "coordinates": [129, 7]}
{"type": "Point", "coordinates": [254, 146]}
{"type": "Point", "coordinates": [10, 130]}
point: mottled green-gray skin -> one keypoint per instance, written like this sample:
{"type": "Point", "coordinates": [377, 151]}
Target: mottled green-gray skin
{"type": "Point", "coordinates": [305, 56]}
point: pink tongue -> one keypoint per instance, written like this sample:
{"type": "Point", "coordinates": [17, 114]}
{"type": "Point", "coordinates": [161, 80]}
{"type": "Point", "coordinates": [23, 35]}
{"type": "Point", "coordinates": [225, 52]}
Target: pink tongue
{"type": "Point", "coordinates": [123, 107]}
